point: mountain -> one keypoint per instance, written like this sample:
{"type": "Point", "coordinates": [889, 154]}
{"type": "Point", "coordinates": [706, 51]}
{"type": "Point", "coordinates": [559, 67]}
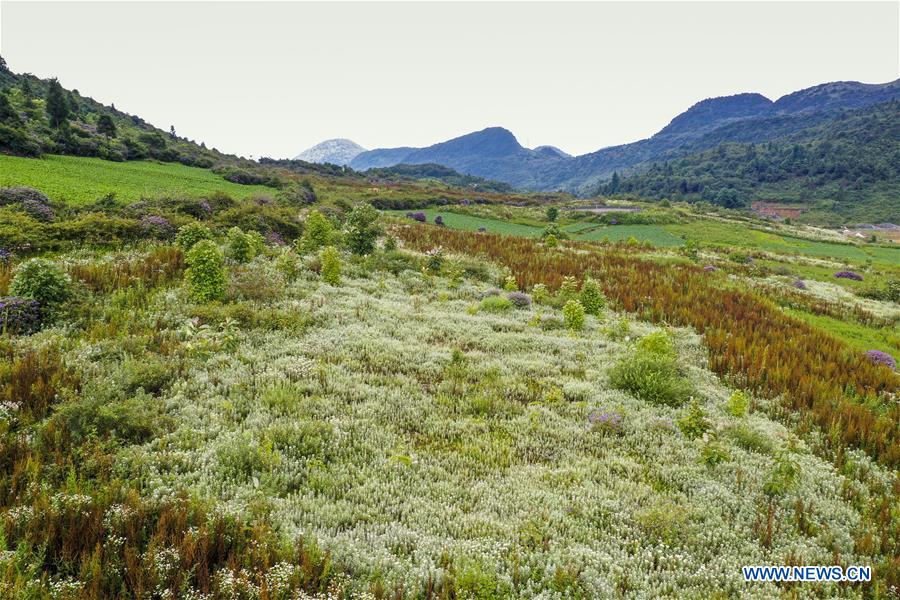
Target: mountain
{"type": "Point", "coordinates": [495, 154]}
{"type": "Point", "coordinates": [492, 153]}
{"type": "Point", "coordinates": [338, 151]}
{"type": "Point", "coordinates": [843, 169]}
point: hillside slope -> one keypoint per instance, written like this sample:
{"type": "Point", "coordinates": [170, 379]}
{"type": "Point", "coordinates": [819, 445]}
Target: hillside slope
{"type": "Point", "coordinates": [337, 152]}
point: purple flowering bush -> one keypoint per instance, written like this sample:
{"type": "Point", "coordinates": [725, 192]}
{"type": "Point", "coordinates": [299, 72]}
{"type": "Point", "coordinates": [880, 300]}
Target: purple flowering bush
{"type": "Point", "coordinates": [520, 299]}
{"type": "Point", "coordinates": [273, 238]}
{"type": "Point", "coordinates": [439, 220]}
{"type": "Point", "coordinates": [799, 284]}
{"type": "Point", "coordinates": [5, 256]}
{"type": "Point", "coordinates": [881, 358]}
{"type": "Point", "coordinates": [710, 268]}
{"type": "Point", "coordinates": [19, 315]}
{"type": "Point", "coordinates": [30, 200]}
{"type": "Point", "coordinates": [157, 226]}
{"type": "Point", "coordinates": [848, 275]}
{"type": "Point", "coordinates": [417, 216]}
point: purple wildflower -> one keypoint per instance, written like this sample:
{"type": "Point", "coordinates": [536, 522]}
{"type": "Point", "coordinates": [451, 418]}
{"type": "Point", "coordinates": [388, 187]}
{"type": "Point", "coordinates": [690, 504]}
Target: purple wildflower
{"type": "Point", "coordinates": [605, 421]}
{"type": "Point", "coordinates": [482, 229]}
{"type": "Point", "coordinates": [157, 226]}
{"type": "Point", "coordinates": [613, 222]}
{"type": "Point", "coordinates": [881, 358]}
{"type": "Point", "coordinates": [439, 220]}
{"type": "Point", "coordinates": [417, 216]}
{"type": "Point", "coordinates": [19, 315]}
{"type": "Point", "coordinates": [205, 206]}
{"type": "Point", "coordinates": [710, 268]}
{"type": "Point", "coordinates": [5, 256]}
{"type": "Point", "coordinates": [848, 275]}
{"type": "Point", "coordinates": [799, 284]}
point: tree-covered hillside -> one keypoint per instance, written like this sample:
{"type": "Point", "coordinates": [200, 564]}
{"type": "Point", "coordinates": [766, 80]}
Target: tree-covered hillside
{"type": "Point", "coordinates": [848, 166]}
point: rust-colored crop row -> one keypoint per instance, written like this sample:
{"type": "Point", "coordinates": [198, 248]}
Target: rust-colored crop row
{"type": "Point", "coordinates": [749, 339]}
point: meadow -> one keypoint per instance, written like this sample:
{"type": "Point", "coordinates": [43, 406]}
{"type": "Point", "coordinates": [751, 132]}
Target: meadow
{"type": "Point", "coordinates": [207, 395]}
{"type": "Point", "coordinates": [77, 180]}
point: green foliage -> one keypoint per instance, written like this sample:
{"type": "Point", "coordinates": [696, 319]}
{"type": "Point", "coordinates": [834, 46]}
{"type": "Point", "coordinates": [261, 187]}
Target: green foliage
{"type": "Point", "coordinates": [510, 284]}
{"type": "Point", "coordinates": [192, 233]}
{"type": "Point", "coordinates": [242, 246]}
{"type": "Point", "coordinates": [540, 294]}
{"type": "Point", "coordinates": [318, 232]}
{"type": "Point", "coordinates": [496, 304]}
{"type": "Point", "coordinates": [568, 290]}
{"type": "Point", "coordinates": [738, 403]}
{"type": "Point", "coordinates": [592, 297]}
{"type": "Point", "coordinates": [361, 229]}
{"type": "Point", "coordinates": [693, 424]}
{"type": "Point", "coordinates": [552, 214]}
{"type": "Point", "coordinates": [713, 452]}
{"type": "Point", "coordinates": [653, 378]}
{"type": "Point", "coordinates": [42, 280]}
{"type": "Point", "coordinates": [288, 264]}
{"type": "Point", "coordinates": [205, 275]}
{"type": "Point", "coordinates": [106, 126]}
{"type": "Point", "coordinates": [331, 265]}
{"type": "Point", "coordinates": [658, 343]}
{"type": "Point", "coordinates": [56, 106]}
{"type": "Point", "coordinates": [784, 475]}
{"type": "Point", "coordinates": [573, 315]}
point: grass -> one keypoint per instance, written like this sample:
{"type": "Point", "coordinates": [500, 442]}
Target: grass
{"type": "Point", "coordinates": [741, 236]}
{"type": "Point", "coordinates": [471, 223]}
{"type": "Point", "coordinates": [886, 339]}
{"type": "Point", "coordinates": [653, 234]}
{"type": "Point", "coordinates": [78, 180]}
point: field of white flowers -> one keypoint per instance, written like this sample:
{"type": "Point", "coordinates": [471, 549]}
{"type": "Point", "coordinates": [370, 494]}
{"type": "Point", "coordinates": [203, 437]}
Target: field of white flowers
{"type": "Point", "coordinates": [415, 436]}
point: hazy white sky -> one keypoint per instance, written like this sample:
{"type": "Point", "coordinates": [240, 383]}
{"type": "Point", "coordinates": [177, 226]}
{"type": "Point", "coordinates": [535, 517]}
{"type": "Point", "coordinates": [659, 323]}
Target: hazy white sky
{"type": "Point", "coordinates": [271, 79]}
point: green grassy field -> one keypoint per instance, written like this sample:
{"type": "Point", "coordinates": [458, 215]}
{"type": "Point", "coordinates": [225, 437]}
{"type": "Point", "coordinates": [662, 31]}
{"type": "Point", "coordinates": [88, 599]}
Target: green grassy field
{"type": "Point", "coordinates": [654, 234]}
{"type": "Point", "coordinates": [78, 180]}
{"type": "Point", "coordinates": [470, 223]}
{"type": "Point", "coordinates": [741, 236]}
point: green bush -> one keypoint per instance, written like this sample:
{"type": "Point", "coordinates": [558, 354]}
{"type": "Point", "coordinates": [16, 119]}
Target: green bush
{"type": "Point", "coordinates": [738, 403]}
{"type": "Point", "coordinates": [241, 246]}
{"type": "Point", "coordinates": [592, 297]}
{"type": "Point", "coordinates": [318, 232]}
{"type": "Point", "coordinates": [652, 378]}
{"type": "Point", "coordinates": [42, 280]}
{"type": "Point", "coordinates": [192, 233]}
{"type": "Point", "coordinates": [205, 274]}
{"type": "Point", "coordinates": [362, 232]}
{"type": "Point", "coordinates": [510, 284]}
{"type": "Point", "coordinates": [568, 290]}
{"type": "Point", "coordinates": [658, 342]}
{"type": "Point", "coordinates": [540, 294]}
{"type": "Point", "coordinates": [496, 304]}
{"type": "Point", "coordinates": [694, 422]}
{"type": "Point", "coordinates": [573, 315]}
{"type": "Point", "coordinates": [331, 265]}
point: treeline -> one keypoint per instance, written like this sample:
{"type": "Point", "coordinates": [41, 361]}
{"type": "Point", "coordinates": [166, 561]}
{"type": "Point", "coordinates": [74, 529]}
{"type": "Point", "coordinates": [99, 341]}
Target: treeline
{"type": "Point", "coordinates": [853, 161]}
{"type": "Point", "coordinates": [439, 173]}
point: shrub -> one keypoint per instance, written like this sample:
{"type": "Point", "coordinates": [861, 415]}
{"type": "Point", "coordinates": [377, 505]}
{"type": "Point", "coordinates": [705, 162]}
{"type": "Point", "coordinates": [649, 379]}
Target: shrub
{"type": "Point", "coordinates": [568, 290]}
{"type": "Point", "coordinates": [206, 272]}
{"type": "Point", "coordinates": [156, 226]}
{"type": "Point", "coordinates": [192, 233]}
{"type": "Point", "coordinates": [42, 280]}
{"type": "Point", "coordinates": [848, 275]}
{"type": "Point", "coordinates": [573, 315]}
{"type": "Point", "coordinates": [288, 264]}
{"type": "Point", "coordinates": [241, 246]}
{"type": "Point", "coordinates": [799, 284]}
{"type": "Point", "coordinates": [361, 230]}
{"type": "Point", "coordinates": [509, 284]}
{"type": "Point", "coordinates": [439, 221]}
{"type": "Point", "coordinates": [713, 452]}
{"type": "Point", "coordinates": [519, 299]}
{"type": "Point", "coordinates": [694, 422]}
{"type": "Point", "coordinates": [592, 297]}
{"type": "Point", "coordinates": [738, 403]}
{"type": "Point", "coordinates": [605, 421]}
{"type": "Point", "coordinates": [318, 232]}
{"type": "Point", "coordinates": [651, 378]}
{"type": "Point", "coordinates": [417, 216]}
{"type": "Point", "coordinates": [658, 342]}
{"type": "Point", "coordinates": [881, 358]}
{"type": "Point", "coordinates": [496, 304]}
{"type": "Point", "coordinates": [19, 315]}
{"type": "Point", "coordinates": [434, 259]}
{"type": "Point", "coordinates": [19, 195]}
{"type": "Point", "coordinates": [331, 265]}
{"type": "Point", "coordinates": [540, 294]}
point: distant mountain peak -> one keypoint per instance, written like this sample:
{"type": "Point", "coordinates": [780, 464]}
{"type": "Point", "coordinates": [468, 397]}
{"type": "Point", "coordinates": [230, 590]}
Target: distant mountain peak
{"type": "Point", "coordinates": [337, 151]}
{"type": "Point", "coordinates": [552, 151]}
{"type": "Point", "coordinates": [713, 112]}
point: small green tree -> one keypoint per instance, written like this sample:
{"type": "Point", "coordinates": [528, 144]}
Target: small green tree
{"type": "Point", "coordinates": [57, 107]}
{"type": "Point", "coordinates": [192, 233]}
{"type": "Point", "coordinates": [106, 126]}
{"type": "Point", "coordinates": [592, 297]}
{"type": "Point", "coordinates": [8, 114]}
{"type": "Point", "coordinates": [205, 274]}
{"type": "Point", "coordinates": [362, 232]}
{"type": "Point", "coordinates": [42, 280]}
{"type": "Point", "coordinates": [510, 284]}
{"type": "Point", "coordinates": [568, 290]}
{"type": "Point", "coordinates": [318, 232]}
{"type": "Point", "coordinates": [552, 214]}
{"type": "Point", "coordinates": [573, 315]}
{"type": "Point", "coordinates": [331, 265]}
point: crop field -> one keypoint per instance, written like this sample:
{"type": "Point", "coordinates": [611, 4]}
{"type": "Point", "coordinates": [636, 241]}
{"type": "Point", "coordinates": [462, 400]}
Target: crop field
{"type": "Point", "coordinates": [78, 180]}
{"type": "Point", "coordinates": [463, 222]}
{"type": "Point", "coordinates": [654, 235]}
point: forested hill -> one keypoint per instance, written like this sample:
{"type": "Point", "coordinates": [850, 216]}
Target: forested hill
{"type": "Point", "coordinates": [848, 166]}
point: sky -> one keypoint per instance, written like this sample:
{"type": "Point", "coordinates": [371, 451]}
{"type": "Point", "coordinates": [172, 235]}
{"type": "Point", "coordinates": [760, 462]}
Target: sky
{"type": "Point", "coordinates": [273, 78]}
